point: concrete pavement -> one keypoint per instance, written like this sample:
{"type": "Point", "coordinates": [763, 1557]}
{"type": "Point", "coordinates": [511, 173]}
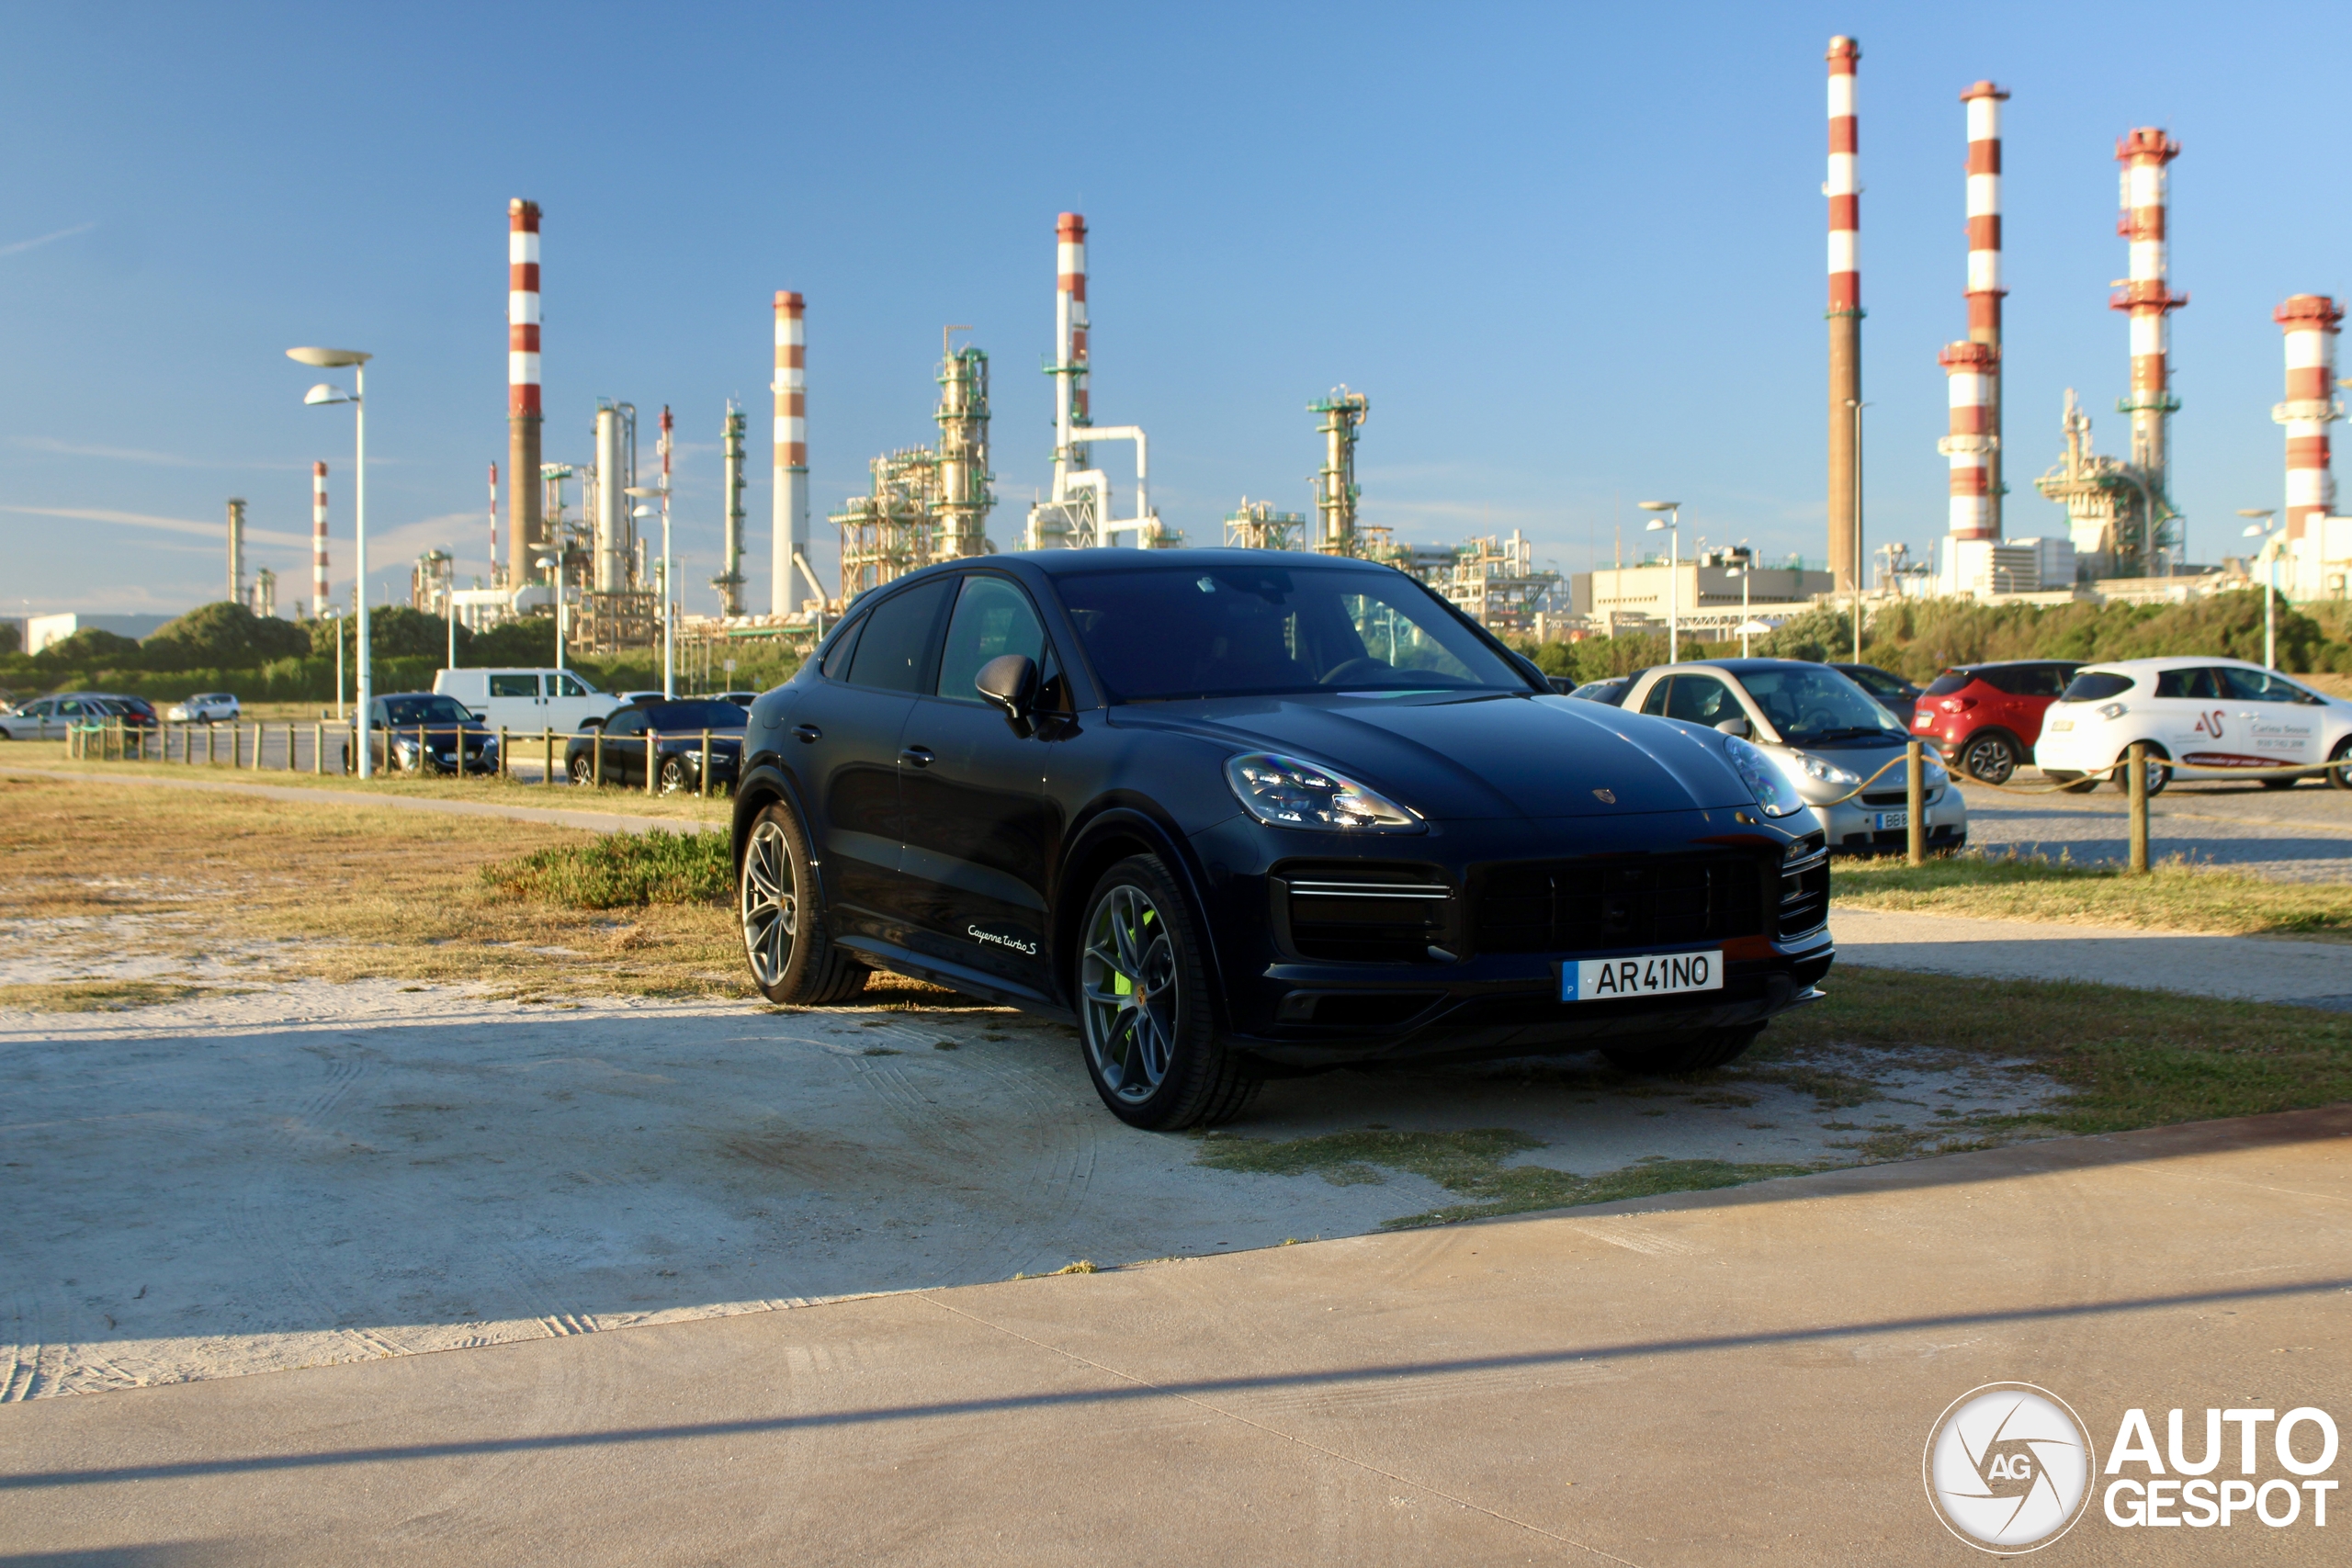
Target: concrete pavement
{"type": "Point", "coordinates": [1724, 1378]}
{"type": "Point", "coordinates": [2256, 968]}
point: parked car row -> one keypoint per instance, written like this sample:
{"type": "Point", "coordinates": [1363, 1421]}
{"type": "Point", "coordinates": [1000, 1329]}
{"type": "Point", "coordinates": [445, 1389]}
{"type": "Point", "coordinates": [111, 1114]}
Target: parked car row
{"type": "Point", "coordinates": [52, 717]}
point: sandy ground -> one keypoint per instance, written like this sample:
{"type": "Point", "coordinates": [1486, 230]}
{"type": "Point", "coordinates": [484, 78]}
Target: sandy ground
{"type": "Point", "coordinates": [295, 1175]}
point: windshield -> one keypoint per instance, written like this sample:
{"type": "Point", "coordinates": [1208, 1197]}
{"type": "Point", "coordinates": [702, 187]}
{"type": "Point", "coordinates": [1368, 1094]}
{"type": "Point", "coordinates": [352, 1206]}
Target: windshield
{"type": "Point", "coordinates": [1811, 704]}
{"type": "Point", "coordinates": [399, 711]}
{"type": "Point", "coordinates": [667, 717]}
{"type": "Point", "coordinates": [1165, 632]}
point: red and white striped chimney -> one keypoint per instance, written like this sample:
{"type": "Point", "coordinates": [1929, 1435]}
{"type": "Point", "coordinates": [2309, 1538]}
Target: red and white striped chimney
{"type": "Point", "coordinates": [1843, 190]}
{"type": "Point", "coordinates": [788, 544]}
{"type": "Point", "coordinates": [523, 520]}
{"type": "Point", "coordinates": [2147, 296]}
{"type": "Point", "coordinates": [1071, 407]}
{"type": "Point", "coordinates": [1983, 103]}
{"type": "Point", "coordinates": [319, 594]}
{"type": "Point", "coordinates": [2311, 321]}
{"type": "Point", "coordinates": [1969, 369]}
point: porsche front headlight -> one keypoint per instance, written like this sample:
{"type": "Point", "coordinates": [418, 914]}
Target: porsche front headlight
{"type": "Point", "coordinates": [1289, 791]}
{"type": "Point", "coordinates": [1764, 780]}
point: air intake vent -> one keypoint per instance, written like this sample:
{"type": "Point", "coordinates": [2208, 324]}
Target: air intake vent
{"type": "Point", "coordinates": [1804, 896]}
{"type": "Point", "coordinates": [1365, 913]}
{"type": "Point", "coordinates": [1608, 902]}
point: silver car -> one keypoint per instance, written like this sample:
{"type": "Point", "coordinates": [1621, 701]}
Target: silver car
{"type": "Point", "coordinates": [205, 707]}
{"type": "Point", "coordinates": [49, 719]}
{"type": "Point", "coordinates": [1828, 736]}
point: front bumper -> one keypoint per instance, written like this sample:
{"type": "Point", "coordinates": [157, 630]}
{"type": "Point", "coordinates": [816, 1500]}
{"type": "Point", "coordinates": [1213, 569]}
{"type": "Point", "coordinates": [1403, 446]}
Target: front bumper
{"type": "Point", "coordinates": [1291, 1011]}
{"type": "Point", "coordinates": [1854, 826]}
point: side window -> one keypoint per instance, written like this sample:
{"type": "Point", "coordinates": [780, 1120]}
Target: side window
{"type": "Point", "coordinates": [836, 665]}
{"type": "Point", "coordinates": [1655, 701]}
{"type": "Point", "coordinates": [894, 650]}
{"type": "Point", "coordinates": [70, 705]}
{"type": "Point", "coordinates": [2202, 684]}
{"type": "Point", "coordinates": [2009, 682]}
{"type": "Point", "coordinates": [513, 685]}
{"type": "Point", "coordinates": [1701, 699]}
{"type": "Point", "coordinates": [2042, 681]}
{"type": "Point", "coordinates": [565, 685]}
{"type": "Point", "coordinates": [628, 721]}
{"type": "Point", "coordinates": [2258, 686]}
{"type": "Point", "coordinates": [992, 618]}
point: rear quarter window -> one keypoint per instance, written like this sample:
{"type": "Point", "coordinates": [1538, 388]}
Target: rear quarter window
{"type": "Point", "coordinates": [1950, 681]}
{"type": "Point", "coordinates": [2097, 686]}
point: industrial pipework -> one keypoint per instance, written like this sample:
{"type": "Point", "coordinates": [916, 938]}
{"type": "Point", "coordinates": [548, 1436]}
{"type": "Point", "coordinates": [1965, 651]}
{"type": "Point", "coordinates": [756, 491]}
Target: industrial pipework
{"type": "Point", "coordinates": [2311, 322]}
{"type": "Point", "coordinates": [1843, 190]}
{"type": "Point", "coordinates": [1077, 511]}
{"type": "Point", "coordinates": [729, 580]}
{"type": "Point", "coordinates": [524, 537]}
{"type": "Point", "coordinates": [319, 541]}
{"type": "Point", "coordinates": [1335, 490]}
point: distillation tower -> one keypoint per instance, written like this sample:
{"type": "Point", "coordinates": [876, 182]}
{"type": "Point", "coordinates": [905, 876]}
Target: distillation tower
{"type": "Point", "coordinates": [927, 503]}
{"type": "Point", "coordinates": [729, 580]}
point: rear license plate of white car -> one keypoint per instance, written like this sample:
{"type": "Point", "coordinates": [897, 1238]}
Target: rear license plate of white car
{"type": "Point", "coordinates": [1886, 819]}
{"type": "Point", "coordinates": [1652, 975]}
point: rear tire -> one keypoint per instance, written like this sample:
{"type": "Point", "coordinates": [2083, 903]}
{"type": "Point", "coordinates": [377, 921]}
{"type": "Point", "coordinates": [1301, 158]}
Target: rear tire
{"type": "Point", "coordinates": [673, 777]}
{"type": "Point", "coordinates": [792, 959]}
{"type": "Point", "coordinates": [583, 771]}
{"type": "Point", "coordinates": [1688, 1053]}
{"type": "Point", "coordinates": [1147, 1030]}
{"type": "Point", "coordinates": [2339, 765]}
{"type": "Point", "coordinates": [1990, 757]}
{"type": "Point", "coordinates": [2159, 768]}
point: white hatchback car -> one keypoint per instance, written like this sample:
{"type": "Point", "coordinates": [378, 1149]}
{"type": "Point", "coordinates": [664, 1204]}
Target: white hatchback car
{"type": "Point", "coordinates": [2195, 712]}
{"type": "Point", "coordinates": [205, 707]}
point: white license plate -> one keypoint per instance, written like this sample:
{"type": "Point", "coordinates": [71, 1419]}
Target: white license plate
{"type": "Point", "coordinates": [2060, 726]}
{"type": "Point", "coordinates": [1652, 975]}
{"type": "Point", "coordinates": [1886, 819]}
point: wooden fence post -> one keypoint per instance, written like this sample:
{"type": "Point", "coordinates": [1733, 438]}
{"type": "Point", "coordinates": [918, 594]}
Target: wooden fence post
{"type": "Point", "coordinates": [653, 759]}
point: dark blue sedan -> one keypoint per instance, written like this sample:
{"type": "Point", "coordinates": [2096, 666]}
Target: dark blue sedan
{"type": "Point", "coordinates": [676, 731]}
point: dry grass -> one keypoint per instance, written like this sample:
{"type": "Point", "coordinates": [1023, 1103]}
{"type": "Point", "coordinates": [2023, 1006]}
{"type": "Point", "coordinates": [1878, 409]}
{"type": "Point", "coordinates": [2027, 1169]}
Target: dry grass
{"type": "Point", "coordinates": [2174, 895]}
{"type": "Point", "coordinates": [49, 756]}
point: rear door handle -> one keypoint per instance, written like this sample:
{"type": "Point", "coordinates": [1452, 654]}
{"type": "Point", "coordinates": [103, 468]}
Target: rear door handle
{"type": "Point", "coordinates": [808, 732]}
{"type": "Point", "coordinates": [920, 756]}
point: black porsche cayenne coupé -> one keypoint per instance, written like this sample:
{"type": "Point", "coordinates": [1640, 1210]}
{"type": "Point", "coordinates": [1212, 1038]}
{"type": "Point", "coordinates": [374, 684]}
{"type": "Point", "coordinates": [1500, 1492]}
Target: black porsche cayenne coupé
{"type": "Point", "coordinates": [1237, 815]}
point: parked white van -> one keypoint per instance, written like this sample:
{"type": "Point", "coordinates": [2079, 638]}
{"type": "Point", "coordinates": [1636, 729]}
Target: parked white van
{"type": "Point", "coordinates": [528, 700]}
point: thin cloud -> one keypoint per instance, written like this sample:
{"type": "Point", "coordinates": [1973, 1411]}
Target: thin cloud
{"type": "Point", "coordinates": [133, 455]}
{"type": "Point", "coordinates": [217, 530]}
{"type": "Point", "coordinates": [23, 246]}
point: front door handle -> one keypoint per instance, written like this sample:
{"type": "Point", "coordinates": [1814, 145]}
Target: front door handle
{"type": "Point", "coordinates": [920, 756]}
{"type": "Point", "coordinates": [808, 732]}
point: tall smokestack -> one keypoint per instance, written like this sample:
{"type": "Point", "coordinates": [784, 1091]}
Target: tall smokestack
{"type": "Point", "coordinates": [1970, 370]}
{"type": "Point", "coordinates": [2311, 321]}
{"type": "Point", "coordinates": [611, 520]}
{"type": "Point", "coordinates": [1071, 411]}
{"type": "Point", "coordinates": [236, 550]}
{"type": "Point", "coordinates": [524, 537]}
{"type": "Point", "coordinates": [1984, 292]}
{"type": "Point", "coordinates": [2148, 295]}
{"type": "Point", "coordinates": [788, 544]}
{"type": "Point", "coordinates": [729, 580]}
{"type": "Point", "coordinates": [319, 541]}
{"type": "Point", "coordinates": [1845, 193]}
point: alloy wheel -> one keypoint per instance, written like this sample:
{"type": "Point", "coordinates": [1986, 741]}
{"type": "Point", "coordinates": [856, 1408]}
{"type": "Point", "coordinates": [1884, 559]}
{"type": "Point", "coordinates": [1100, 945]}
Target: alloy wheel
{"type": "Point", "coordinates": [674, 776]}
{"type": "Point", "coordinates": [1990, 760]}
{"type": "Point", "coordinates": [771, 911]}
{"type": "Point", "coordinates": [1127, 977]}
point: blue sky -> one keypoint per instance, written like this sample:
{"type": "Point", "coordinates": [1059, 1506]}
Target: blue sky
{"type": "Point", "coordinates": [1572, 253]}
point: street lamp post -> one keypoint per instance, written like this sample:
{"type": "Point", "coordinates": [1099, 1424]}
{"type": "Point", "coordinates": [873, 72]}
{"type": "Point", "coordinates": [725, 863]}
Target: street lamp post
{"type": "Point", "coordinates": [322, 394]}
{"type": "Point", "coordinates": [552, 565]}
{"type": "Point", "coordinates": [2258, 529]}
{"type": "Point", "coordinates": [1741, 572]}
{"type": "Point", "coordinates": [334, 612]}
{"type": "Point", "coordinates": [669, 637]}
{"type": "Point", "coordinates": [1671, 526]}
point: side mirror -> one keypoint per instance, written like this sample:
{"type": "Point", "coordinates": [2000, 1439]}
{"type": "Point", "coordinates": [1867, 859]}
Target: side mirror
{"type": "Point", "coordinates": [1008, 685]}
{"type": "Point", "coordinates": [1738, 727]}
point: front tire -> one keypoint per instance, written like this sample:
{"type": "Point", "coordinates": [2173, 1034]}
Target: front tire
{"type": "Point", "coordinates": [584, 771]}
{"type": "Point", "coordinates": [674, 779]}
{"type": "Point", "coordinates": [2158, 765]}
{"type": "Point", "coordinates": [1990, 759]}
{"type": "Point", "coordinates": [1687, 1054]}
{"type": "Point", "coordinates": [793, 960]}
{"type": "Point", "coordinates": [1146, 1026]}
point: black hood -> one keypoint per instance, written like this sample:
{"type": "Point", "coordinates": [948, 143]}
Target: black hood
{"type": "Point", "coordinates": [1476, 756]}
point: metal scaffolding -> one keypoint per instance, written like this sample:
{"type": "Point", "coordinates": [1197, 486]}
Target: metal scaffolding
{"type": "Point", "coordinates": [926, 504]}
{"type": "Point", "coordinates": [1256, 526]}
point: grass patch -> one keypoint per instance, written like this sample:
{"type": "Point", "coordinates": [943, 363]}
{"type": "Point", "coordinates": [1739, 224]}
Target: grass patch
{"type": "Point", "coordinates": [94, 996]}
{"type": "Point", "coordinates": [1469, 1165]}
{"type": "Point", "coordinates": [2127, 1058]}
{"type": "Point", "coordinates": [621, 870]}
{"type": "Point", "coordinates": [2175, 894]}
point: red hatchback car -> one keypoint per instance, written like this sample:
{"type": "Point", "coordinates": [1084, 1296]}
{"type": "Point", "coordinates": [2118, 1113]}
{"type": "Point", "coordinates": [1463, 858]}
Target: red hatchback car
{"type": "Point", "coordinates": [1983, 719]}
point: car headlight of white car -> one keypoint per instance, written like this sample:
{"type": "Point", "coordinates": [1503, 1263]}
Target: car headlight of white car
{"type": "Point", "coordinates": [1766, 783]}
{"type": "Point", "coordinates": [1289, 791]}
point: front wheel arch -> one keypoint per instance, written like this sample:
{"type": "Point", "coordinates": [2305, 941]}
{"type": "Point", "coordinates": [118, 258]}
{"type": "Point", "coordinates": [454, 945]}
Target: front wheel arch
{"type": "Point", "coordinates": [1107, 838]}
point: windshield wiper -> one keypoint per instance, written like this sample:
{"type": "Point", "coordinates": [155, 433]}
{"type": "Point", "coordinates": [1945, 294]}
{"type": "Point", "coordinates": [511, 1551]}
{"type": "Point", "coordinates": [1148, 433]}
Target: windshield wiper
{"type": "Point", "coordinates": [1848, 733]}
